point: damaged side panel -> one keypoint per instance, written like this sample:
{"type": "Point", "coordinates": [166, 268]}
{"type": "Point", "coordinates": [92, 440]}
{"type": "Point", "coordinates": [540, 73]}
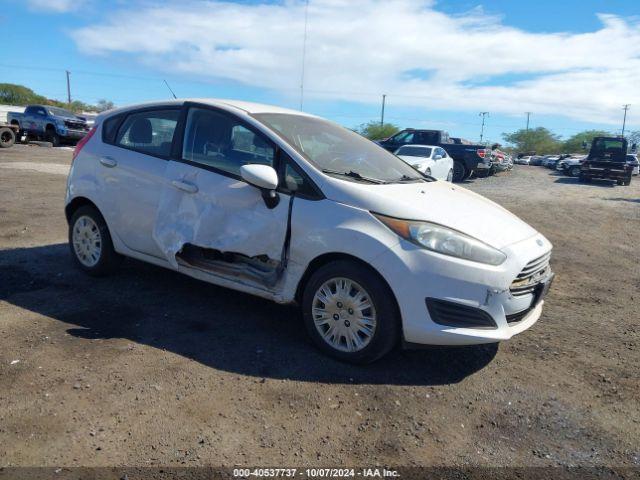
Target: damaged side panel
{"type": "Point", "coordinates": [221, 226]}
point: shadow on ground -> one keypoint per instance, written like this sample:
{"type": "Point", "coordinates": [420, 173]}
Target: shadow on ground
{"type": "Point", "coordinates": [593, 183]}
{"type": "Point", "coordinates": [217, 327]}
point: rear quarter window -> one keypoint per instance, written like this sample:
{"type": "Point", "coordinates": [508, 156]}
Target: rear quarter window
{"type": "Point", "coordinates": [110, 128]}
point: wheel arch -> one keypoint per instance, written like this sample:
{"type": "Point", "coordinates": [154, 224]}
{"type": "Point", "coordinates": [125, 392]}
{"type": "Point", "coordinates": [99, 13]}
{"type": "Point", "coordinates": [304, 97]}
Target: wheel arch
{"type": "Point", "coordinates": [75, 204]}
{"type": "Point", "coordinates": [326, 258]}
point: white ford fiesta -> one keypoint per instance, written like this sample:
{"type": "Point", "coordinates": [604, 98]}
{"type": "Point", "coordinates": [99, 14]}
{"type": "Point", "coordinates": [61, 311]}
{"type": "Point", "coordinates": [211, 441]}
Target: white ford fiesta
{"type": "Point", "coordinates": [294, 208]}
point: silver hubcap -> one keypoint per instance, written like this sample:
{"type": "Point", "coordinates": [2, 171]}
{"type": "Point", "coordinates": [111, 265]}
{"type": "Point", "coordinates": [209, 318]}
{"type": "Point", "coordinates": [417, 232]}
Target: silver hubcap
{"type": "Point", "coordinates": [344, 315]}
{"type": "Point", "coordinates": [87, 241]}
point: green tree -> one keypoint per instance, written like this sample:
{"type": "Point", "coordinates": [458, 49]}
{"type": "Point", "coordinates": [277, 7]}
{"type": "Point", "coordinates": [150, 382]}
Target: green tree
{"type": "Point", "coordinates": [374, 131]}
{"type": "Point", "coordinates": [634, 137]}
{"type": "Point", "coordinates": [104, 105]}
{"type": "Point", "coordinates": [11, 94]}
{"type": "Point", "coordinates": [539, 140]}
{"type": "Point", "coordinates": [574, 144]}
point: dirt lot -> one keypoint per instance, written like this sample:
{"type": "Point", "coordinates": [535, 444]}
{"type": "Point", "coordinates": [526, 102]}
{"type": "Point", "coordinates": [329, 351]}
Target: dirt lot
{"type": "Point", "coordinates": [148, 367]}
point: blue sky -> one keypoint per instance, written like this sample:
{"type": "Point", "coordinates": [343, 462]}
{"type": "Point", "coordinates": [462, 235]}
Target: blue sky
{"type": "Point", "coordinates": [440, 63]}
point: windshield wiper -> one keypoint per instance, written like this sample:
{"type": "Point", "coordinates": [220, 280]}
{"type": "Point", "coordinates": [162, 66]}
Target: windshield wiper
{"type": "Point", "coordinates": [407, 178]}
{"type": "Point", "coordinates": [352, 174]}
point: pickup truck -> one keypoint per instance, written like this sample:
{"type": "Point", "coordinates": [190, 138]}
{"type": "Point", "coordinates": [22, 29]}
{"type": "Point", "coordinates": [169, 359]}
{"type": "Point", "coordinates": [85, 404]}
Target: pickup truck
{"type": "Point", "coordinates": [607, 159]}
{"type": "Point", "coordinates": [467, 159]}
{"type": "Point", "coordinates": [53, 124]}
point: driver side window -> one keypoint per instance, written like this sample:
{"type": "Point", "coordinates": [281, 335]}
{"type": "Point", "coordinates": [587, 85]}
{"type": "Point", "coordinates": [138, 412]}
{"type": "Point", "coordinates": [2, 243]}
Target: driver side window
{"type": "Point", "coordinates": [221, 141]}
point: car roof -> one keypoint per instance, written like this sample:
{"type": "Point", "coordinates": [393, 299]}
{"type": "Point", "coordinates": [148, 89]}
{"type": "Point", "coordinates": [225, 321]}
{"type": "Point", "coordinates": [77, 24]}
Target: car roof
{"type": "Point", "coordinates": [225, 104]}
{"type": "Point", "coordinates": [418, 145]}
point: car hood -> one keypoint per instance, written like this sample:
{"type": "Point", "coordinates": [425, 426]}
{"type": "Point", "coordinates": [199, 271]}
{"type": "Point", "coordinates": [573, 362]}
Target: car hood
{"type": "Point", "coordinates": [413, 160]}
{"type": "Point", "coordinates": [438, 202]}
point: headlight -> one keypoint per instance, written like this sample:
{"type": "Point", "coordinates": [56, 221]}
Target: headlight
{"type": "Point", "coordinates": [444, 240]}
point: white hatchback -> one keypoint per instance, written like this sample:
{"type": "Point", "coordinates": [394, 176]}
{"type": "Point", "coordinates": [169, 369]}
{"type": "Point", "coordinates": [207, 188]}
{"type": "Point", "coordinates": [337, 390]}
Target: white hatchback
{"type": "Point", "coordinates": [294, 208]}
{"type": "Point", "coordinates": [428, 159]}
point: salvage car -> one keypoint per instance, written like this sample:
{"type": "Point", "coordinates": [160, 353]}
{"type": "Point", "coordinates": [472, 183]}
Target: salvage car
{"type": "Point", "coordinates": [53, 124]}
{"type": "Point", "coordinates": [428, 159]}
{"type": "Point", "coordinates": [467, 158]}
{"type": "Point", "coordinates": [571, 165]}
{"type": "Point", "coordinates": [296, 209]}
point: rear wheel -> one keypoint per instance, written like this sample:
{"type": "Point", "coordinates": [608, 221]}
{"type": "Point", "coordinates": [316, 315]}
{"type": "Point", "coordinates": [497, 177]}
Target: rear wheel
{"type": "Point", "coordinates": [349, 312]}
{"type": "Point", "coordinates": [7, 137]}
{"type": "Point", "coordinates": [459, 172]}
{"type": "Point", "coordinates": [574, 171]}
{"type": "Point", "coordinates": [90, 242]}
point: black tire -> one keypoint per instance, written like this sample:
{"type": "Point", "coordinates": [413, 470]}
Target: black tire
{"type": "Point", "coordinates": [459, 171]}
{"type": "Point", "coordinates": [109, 259]}
{"type": "Point", "coordinates": [387, 329]}
{"type": "Point", "coordinates": [7, 137]}
{"type": "Point", "coordinates": [53, 137]}
{"type": "Point", "coordinates": [620, 182]}
{"type": "Point", "coordinates": [574, 171]}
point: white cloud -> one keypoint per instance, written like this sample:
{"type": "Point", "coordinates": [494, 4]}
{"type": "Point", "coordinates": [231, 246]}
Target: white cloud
{"type": "Point", "coordinates": [405, 48]}
{"type": "Point", "coordinates": [56, 6]}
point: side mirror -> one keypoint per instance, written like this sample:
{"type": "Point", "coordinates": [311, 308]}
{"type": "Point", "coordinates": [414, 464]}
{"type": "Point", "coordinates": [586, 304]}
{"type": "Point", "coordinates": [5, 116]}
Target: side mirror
{"type": "Point", "coordinates": [438, 157]}
{"type": "Point", "coordinates": [264, 178]}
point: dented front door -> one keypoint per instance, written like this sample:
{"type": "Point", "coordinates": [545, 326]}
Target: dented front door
{"type": "Point", "coordinates": [208, 218]}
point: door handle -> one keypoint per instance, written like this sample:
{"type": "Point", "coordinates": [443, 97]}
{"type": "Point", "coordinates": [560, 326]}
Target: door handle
{"type": "Point", "coordinates": [108, 162]}
{"type": "Point", "coordinates": [184, 186]}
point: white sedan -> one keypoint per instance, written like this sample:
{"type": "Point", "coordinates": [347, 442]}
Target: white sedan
{"type": "Point", "coordinates": [428, 159]}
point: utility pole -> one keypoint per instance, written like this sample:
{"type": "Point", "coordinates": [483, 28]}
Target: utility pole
{"type": "Point", "coordinates": [304, 52]}
{"type": "Point", "coordinates": [625, 107]}
{"type": "Point", "coordinates": [483, 115]}
{"type": "Point", "coordinates": [68, 87]}
{"type": "Point", "coordinates": [528, 115]}
{"type": "Point", "coordinates": [384, 98]}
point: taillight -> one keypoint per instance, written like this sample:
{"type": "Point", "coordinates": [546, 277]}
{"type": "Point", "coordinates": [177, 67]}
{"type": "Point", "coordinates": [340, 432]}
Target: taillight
{"type": "Point", "coordinates": [83, 141]}
{"type": "Point", "coordinates": [481, 152]}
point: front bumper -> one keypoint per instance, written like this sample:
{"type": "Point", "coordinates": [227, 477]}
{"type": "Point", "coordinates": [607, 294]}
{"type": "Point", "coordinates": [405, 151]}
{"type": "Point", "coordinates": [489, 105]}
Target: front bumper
{"type": "Point", "coordinates": [71, 133]}
{"type": "Point", "coordinates": [415, 275]}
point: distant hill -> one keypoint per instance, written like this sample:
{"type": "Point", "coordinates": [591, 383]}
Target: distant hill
{"type": "Point", "coordinates": [12, 94]}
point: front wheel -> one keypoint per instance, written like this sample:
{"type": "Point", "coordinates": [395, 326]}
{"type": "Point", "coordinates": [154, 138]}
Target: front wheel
{"type": "Point", "coordinates": [349, 312]}
{"type": "Point", "coordinates": [574, 171]}
{"type": "Point", "coordinates": [90, 242]}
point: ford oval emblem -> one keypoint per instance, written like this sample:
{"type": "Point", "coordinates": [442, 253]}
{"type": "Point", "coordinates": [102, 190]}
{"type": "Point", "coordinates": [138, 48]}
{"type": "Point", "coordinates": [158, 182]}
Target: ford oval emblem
{"type": "Point", "coordinates": [539, 242]}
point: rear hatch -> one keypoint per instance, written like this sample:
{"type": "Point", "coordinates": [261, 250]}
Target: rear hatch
{"type": "Point", "coordinates": [608, 153]}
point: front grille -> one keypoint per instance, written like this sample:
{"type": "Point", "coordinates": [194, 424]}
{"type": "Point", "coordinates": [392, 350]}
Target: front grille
{"type": "Point", "coordinates": [454, 314]}
{"type": "Point", "coordinates": [534, 271]}
{"type": "Point", "coordinates": [75, 125]}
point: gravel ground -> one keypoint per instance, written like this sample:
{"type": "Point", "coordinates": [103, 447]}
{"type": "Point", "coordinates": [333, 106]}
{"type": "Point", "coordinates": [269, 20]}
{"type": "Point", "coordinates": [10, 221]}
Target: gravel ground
{"type": "Point", "coordinates": [149, 367]}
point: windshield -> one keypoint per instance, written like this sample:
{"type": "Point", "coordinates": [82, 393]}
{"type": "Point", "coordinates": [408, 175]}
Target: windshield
{"type": "Point", "coordinates": [337, 150]}
{"type": "Point", "coordinates": [61, 112]}
{"type": "Point", "coordinates": [414, 151]}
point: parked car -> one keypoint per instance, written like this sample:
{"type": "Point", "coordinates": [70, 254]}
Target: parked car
{"type": "Point", "coordinates": [293, 208]}
{"type": "Point", "coordinates": [608, 160]}
{"type": "Point", "coordinates": [53, 124]}
{"type": "Point", "coordinates": [428, 159]}
{"type": "Point", "coordinates": [571, 165]}
{"type": "Point", "coordinates": [523, 160]}
{"type": "Point", "coordinates": [467, 158]}
{"type": "Point", "coordinates": [633, 160]}
{"type": "Point", "coordinates": [536, 160]}
{"type": "Point", "coordinates": [551, 161]}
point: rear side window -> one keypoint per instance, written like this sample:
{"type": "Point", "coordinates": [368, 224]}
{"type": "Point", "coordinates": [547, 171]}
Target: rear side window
{"type": "Point", "coordinates": [150, 132]}
{"type": "Point", "coordinates": [110, 127]}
